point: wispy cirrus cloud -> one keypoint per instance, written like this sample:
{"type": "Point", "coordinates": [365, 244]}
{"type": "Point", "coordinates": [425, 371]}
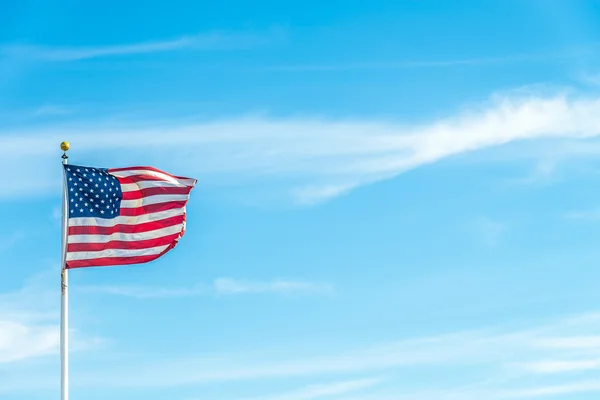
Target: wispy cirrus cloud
{"type": "Point", "coordinates": [220, 286]}
{"type": "Point", "coordinates": [19, 341]}
{"type": "Point", "coordinates": [300, 159]}
{"type": "Point", "coordinates": [29, 322]}
{"type": "Point", "coordinates": [323, 390]}
{"type": "Point", "coordinates": [143, 292]}
{"type": "Point", "coordinates": [592, 214]}
{"type": "Point", "coordinates": [493, 363]}
{"type": "Point", "coordinates": [413, 64]}
{"type": "Point", "coordinates": [51, 110]}
{"type": "Point", "coordinates": [561, 366]}
{"type": "Point", "coordinates": [542, 360]}
{"type": "Point", "coordinates": [233, 286]}
{"type": "Point", "coordinates": [199, 42]}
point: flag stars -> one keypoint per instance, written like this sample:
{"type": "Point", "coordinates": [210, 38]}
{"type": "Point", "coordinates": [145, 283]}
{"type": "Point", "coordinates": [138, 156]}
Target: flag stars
{"type": "Point", "coordinates": [90, 190]}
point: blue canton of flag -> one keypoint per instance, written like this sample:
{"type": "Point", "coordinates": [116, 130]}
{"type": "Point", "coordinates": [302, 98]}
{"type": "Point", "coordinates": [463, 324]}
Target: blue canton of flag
{"type": "Point", "coordinates": [93, 192]}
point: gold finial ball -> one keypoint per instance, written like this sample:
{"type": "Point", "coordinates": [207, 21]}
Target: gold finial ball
{"type": "Point", "coordinates": [64, 146]}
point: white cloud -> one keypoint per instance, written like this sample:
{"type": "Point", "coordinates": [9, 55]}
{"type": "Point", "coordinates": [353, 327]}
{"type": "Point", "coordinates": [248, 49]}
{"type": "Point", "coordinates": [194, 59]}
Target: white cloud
{"type": "Point", "coordinates": [232, 286]}
{"type": "Point", "coordinates": [590, 79]}
{"type": "Point", "coordinates": [310, 159]}
{"type": "Point", "coordinates": [553, 366]}
{"type": "Point", "coordinates": [29, 320]}
{"type": "Point", "coordinates": [142, 292]}
{"type": "Point", "coordinates": [27, 324]}
{"type": "Point", "coordinates": [18, 341]}
{"type": "Point", "coordinates": [493, 364]}
{"type": "Point", "coordinates": [50, 110]}
{"type": "Point", "coordinates": [582, 386]}
{"type": "Point", "coordinates": [507, 356]}
{"type": "Point", "coordinates": [327, 390]}
{"type": "Point", "coordinates": [220, 286]}
{"type": "Point", "coordinates": [209, 41]}
{"type": "Point", "coordinates": [412, 64]}
{"type": "Point", "coordinates": [592, 214]}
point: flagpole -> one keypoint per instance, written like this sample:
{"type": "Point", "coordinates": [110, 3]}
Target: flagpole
{"type": "Point", "coordinates": [64, 298]}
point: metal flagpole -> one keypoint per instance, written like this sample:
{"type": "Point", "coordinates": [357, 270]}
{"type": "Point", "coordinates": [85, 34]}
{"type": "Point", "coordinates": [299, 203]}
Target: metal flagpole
{"type": "Point", "coordinates": [64, 303]}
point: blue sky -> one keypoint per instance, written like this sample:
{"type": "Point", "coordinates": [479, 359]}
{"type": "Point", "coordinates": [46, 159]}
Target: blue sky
{"type": "Point", "coordinates": [395, 200]}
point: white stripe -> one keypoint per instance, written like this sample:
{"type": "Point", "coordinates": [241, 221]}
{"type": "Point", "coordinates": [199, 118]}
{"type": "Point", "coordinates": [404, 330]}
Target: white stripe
{"type": "Point", "coordinates": [126, 237]}
{"type": "Point", "coordinates": [160, 175]}
{"type": "Point", "coordinates": [155, 199]}
{"type": "Point", "coordinates": [88, 255]}
{"type": "Point", "coordinates": [132, 187]}
{"type": "Point", "coordinates": [140, 219]}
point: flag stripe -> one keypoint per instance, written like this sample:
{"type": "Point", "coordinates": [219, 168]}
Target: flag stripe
{"type": "Point", "coordinates": [119, 171]}
{"type": "Point", "coordinates": [133, 194]}
{"type": "Point", "coordinates": [108, 253]}
{"type": "Point", "coordinates": [130, 237]}
{"type": "Point", "coordinates": [106, 261]}
{"type": "Point", "coordinates": [152, 208]}
{"type": "Point", "coordinates": [156, 199]}
{"type": "Point", "coordinates": [124, 245]}
{"type": "Point", "coordinates": [127, 228]}
{"type": "Point", "coordinates": [125, 220]}
{"type": "Point", "coordinates": [150, 175]}
{"type": "Point", "coordinates": [132, 187]}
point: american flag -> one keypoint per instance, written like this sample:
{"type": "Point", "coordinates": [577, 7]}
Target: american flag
{"type": "Point", "coordinates": [119, 216]}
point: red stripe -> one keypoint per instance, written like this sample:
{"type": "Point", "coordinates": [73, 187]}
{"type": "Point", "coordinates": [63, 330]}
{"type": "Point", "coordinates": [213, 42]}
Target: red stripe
{"type": "Point", "coordinates": [125, 245]}
{"type": "Point", "coordinates": [112, 261]}
{"type": "Point", "coordinates": [146, 168]}
{"type": "Point", "coordinates": [152, 208]}
{"type": "Point", "coordinates": [141, 193]}
{"type": "Point", "coordinates": [123, 228]}
{"type": "Point", "coordinates": [140, 178]}
{"type": "Point", "coordinates": [149, 178]}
